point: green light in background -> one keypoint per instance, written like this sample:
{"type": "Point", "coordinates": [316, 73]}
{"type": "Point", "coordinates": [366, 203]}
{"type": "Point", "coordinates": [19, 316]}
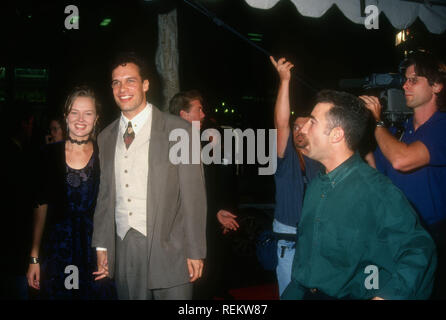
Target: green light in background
{"type": "Point", "coordinates": [223, 104]}
{"type": "Point", "coordinates": [105, 22]}
{"type": "Point", "coordinates": [255, 37]}
{"type": "Point", "coordinates": [226, 110]}
{"type": "Point", "coordinates": [292, 112]}
{"type": "Point", "coordinates": [74, 20]}
{"type": "Point", "coordinates": [216, 109]}
{"type": "Point", "coordinates": [28, 73]}
{"type": "Point", "coordinates": [232, 111]}
{"type": "Point", "coordinates": [258, 35]}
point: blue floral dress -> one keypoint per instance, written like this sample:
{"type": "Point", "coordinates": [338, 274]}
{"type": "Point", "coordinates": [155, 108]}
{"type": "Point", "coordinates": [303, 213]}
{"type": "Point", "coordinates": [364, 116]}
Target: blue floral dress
{"type": "Point", "coordinates": [69, 260]}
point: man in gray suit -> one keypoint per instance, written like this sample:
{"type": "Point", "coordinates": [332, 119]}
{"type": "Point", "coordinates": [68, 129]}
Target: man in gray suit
{"type": "Point", "coordinates": [150, 218]}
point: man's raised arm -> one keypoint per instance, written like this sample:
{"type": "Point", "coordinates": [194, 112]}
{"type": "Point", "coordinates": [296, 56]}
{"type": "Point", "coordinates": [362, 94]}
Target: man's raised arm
{"type": "Point", "coordinates": [403, 157]}
{"type": "Point", "coordinates": [282, 106]}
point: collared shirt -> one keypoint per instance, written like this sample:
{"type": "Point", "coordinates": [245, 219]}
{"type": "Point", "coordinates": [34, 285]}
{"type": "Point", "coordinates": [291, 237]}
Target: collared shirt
{"type": "Point", "coordinates": [354, 217]}
{"type": "Point", "coordinates": [290, 184]}
{"type": "Point", "coordinates": [137, 122]}
{"type": "Point", "coordinates": [424, 187]}
{"type": "Point", "coordinates": [131, 172]}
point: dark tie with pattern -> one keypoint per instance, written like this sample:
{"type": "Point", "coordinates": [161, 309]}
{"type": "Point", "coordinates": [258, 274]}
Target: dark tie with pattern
{"type": "Point", "coordinates": [129, 135]}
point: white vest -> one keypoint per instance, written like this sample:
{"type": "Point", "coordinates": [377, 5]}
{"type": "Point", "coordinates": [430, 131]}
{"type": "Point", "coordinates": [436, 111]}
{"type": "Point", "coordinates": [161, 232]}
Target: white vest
{"type": "Point", "coordinates": [131, 172]}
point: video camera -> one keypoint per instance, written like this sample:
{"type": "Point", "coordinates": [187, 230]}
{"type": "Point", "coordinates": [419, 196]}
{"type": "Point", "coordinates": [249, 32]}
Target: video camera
{"type": "Point", "coordinates": [391, 94]}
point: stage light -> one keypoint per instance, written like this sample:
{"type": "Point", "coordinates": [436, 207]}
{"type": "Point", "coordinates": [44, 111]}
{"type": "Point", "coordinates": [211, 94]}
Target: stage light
{"type": "Point", "coordinates": [401, 37]}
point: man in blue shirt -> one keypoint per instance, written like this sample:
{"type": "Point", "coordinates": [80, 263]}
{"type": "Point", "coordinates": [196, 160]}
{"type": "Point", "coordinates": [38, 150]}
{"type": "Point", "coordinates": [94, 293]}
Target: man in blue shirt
{"type": "Point", "coordinates": [294, 171]}
{"type": "Point", "coordinates": [416, 163]}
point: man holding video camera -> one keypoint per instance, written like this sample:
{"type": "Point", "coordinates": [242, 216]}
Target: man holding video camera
{"type": "Point", "coordinates": [416, 163]}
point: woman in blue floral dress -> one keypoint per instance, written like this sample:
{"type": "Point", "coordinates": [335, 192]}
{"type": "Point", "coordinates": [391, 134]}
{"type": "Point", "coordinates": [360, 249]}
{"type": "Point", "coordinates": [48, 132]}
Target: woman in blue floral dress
{"type": "Point", "coordinates": [62, 260]}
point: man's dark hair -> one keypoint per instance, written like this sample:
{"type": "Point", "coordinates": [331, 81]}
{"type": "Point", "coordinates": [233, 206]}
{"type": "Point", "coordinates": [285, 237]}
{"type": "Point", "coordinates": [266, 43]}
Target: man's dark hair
{"type": "Point", "coordinates": [122, 58]}
{"type": "Point", "coordinates": [348, 112]}
{"type": "Point", "coordinates": [429, 66]}
{"type": "Point", "coordinates": [182, 100]}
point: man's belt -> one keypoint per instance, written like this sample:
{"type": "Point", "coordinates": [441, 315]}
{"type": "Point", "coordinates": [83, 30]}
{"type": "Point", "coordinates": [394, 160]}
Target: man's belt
{"type": "Point", "coordinates": [285, 236]}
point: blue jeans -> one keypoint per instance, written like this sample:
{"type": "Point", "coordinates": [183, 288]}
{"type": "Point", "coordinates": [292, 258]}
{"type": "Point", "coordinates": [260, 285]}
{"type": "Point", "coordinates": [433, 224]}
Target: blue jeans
{"type": "Point", "coordinates": [285, 254]}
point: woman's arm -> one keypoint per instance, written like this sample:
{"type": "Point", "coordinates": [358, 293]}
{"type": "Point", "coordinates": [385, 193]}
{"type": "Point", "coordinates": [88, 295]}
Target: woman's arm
{"type": "Point", "coordinates": [33, 273]}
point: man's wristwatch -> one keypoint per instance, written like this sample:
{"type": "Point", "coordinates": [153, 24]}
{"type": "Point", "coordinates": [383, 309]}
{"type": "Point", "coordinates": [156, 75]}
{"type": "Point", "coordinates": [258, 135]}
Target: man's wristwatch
{"type": "Point", "coordinates": [34, 260]}
{"type": "Point", "coordinates": [380, 123]}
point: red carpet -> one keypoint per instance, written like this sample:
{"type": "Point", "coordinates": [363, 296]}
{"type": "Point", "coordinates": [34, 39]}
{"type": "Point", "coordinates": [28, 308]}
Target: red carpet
{"type": "Point", "coordinates": [268, 291]}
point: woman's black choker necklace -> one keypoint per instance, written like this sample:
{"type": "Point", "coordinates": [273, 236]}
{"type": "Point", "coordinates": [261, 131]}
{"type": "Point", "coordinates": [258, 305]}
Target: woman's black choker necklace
{"type": "Point", "coordinates": [79, 142]}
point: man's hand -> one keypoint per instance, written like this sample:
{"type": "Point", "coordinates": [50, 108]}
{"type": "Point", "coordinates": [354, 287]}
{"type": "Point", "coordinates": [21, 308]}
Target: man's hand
{"type": "Point", "coordinates": [195, 268]}
{"type": "Point", "coordinates": [102, 265]}
{"type": "Point", "coordinates": [33, 275]}
{"type": "Point", "coordinates": [227, 220]}
{"type": "Point", "coordinates": [283, 68]}
{"type": "Point", "coordinates": [373, 104]}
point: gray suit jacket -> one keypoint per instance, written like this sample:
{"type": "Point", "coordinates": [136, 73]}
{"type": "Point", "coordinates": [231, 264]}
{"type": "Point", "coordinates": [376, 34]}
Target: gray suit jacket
{"type": "Point", "coordinates": [176, 205]}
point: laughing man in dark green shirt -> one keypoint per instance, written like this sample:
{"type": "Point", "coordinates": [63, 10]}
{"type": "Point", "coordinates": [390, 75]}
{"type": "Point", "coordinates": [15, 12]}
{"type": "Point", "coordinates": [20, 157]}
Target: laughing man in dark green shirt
{"type": "Point", "coordinates": [358, 237]}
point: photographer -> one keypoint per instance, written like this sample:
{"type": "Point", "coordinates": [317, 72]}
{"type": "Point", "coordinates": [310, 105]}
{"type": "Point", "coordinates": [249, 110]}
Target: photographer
{"type": "Point", "coordinates": [416, 163]}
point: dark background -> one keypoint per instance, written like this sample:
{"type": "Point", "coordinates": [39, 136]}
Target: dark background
{"type": "Point", "coordinates": [213, 60]}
